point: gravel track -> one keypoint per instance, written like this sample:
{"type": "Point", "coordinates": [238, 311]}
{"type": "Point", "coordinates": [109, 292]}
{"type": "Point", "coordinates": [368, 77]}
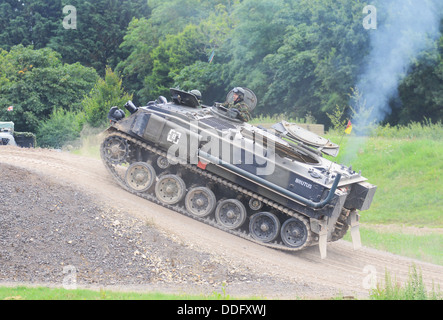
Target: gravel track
{"type": "Point", "coordinates": [59, 211]}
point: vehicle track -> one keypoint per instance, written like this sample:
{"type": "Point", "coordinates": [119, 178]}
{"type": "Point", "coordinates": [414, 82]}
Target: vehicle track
{"type": "Point", "coordinates": [203, 174]}
{"type": "Point", "coordinates": [344, 271]}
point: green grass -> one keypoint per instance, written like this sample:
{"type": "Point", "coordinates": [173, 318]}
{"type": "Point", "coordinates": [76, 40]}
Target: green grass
{"type": "Point", "coordinates": [406, 164]}
{"type": "Point", "coordinates": [407, 173]}
{"type": "Point", "coordinates": [44, 293]}
{"type": "Point", "coordinates": [414, 289]}
{"type": "Point", "coordinates": [425, 247]}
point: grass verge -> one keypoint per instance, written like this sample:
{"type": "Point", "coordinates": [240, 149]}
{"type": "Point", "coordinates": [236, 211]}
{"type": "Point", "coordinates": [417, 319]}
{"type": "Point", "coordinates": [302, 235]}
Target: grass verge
{"type": "Point", "coordinates": [414, 289]}
{"type": "Point", "coordinates": [424, 247]}
{"type": "Point", "coordinates": [44, 293]}
{"type": "Point", "coordinates": [407, 173]}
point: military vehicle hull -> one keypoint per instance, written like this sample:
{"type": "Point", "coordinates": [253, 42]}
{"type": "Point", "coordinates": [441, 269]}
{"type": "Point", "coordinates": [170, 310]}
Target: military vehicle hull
{"type": "Point", "coordinates": [267, 186]}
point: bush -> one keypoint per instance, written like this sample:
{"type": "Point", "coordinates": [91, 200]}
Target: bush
{"type": "Point", "coordinates": [106, 94]}
{"type": "Point", "coordinates": [36, 81]}
{"type": "Point", "coordinates": [414, 130]}
{"type": "Point", "coordinates": [61, 128]}
{"type": "Point", "coordinates": [413, 290]}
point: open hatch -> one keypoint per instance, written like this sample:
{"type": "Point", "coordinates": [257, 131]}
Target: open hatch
{"type": "Point", "coordinates": [297, 134]}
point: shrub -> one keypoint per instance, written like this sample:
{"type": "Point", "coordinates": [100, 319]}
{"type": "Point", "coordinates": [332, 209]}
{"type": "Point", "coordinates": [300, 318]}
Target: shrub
{"type": "Point", "coordinates": [413, 290]}
{"type": "Point", "coordinates": [107, 93]}
{"type": "Point", "coordinates": [62, 127]}
{"type": "Point", "coordinates": [413, 130]}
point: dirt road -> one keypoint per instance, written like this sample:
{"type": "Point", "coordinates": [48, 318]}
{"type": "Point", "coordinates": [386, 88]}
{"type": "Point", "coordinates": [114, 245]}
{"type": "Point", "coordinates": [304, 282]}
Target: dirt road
{"type": "Point", "coordinates": [248, 269]}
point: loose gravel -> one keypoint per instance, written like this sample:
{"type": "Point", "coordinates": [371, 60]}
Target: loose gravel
{"type": "Point", "coordinates": [52, 233]}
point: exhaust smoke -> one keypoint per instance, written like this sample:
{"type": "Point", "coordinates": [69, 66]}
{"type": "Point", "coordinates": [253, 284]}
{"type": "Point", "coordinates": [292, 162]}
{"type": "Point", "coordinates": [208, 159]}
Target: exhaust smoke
{"type": "Point", "coordinates": [404, 29]}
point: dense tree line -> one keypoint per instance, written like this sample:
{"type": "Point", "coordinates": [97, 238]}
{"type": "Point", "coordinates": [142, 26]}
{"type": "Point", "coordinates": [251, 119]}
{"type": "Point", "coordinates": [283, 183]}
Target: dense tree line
{"type": "Point", "coordinates": [299, 56]}
{"type": "Point", "coordinates": [35, 82]}
{"type": "Point", "coordinates": [101, 26]}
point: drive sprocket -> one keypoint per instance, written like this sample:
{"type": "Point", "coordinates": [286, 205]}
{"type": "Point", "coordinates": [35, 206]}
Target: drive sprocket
{"type": "Point", "coordinates": [115, 149]}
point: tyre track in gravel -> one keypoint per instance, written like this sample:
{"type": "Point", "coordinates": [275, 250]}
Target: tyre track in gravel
{"type": "Point", "coordinates": [344, 271]}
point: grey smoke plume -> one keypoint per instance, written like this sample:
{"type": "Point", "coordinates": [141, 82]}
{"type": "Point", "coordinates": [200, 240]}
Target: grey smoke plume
{"type": "Point", "coordinates": [409, 27]}
{"type": "Point", "coordinates": [404, 29]}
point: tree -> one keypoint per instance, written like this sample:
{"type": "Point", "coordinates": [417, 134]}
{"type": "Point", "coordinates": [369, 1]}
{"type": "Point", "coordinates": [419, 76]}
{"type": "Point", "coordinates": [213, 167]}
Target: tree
{"type": "Point", "coordinates": [320, 58]}
{"type": "Point", "coordinates": [139, 41]}
{"type": "Point", "coordinates": [258, 30]}
{"type": "Point", "coordinates": [101, 26]}
{"type": "Point", "coordinates": [207, 22]}
{"type": "Point", "coordinates": [292, 73]}
{"type": "Point", "coordinates": [61, 127]}
{"type": "Point", "coordinates": [298, 57]}
{"type": "Point", "coordinates": [28, 22]}
{"type": "Point", "coordinates": [204, 77]}
{"type": "Point", "coordinates": [107, 93]}
{"type": "Point", "coordinates": [421, 91]}
{"type": "Point", "coordinates": [168, 59]}
{"type": "Point", "coordinates": [35, 82]}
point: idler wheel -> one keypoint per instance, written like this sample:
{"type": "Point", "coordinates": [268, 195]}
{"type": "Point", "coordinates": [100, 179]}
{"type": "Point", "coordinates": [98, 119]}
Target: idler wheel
{"type": "Point", "coordinates": [170, 189]}
{"type": "Point", "coordinates": [294, 233]}
{"type": "Point", "coordinates": [140, 176]}
{"type": "Point", "coordinates": [264, 226]}
{"type": "Point", "coordinates": [115, 149]}
{"type": "Point", "coordinates": [200, 201]}
{"type": "Point", "coordinates": [230, 213]}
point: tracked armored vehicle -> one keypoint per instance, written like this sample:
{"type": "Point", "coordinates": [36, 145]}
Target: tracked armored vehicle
{"type": "Point", "coordinates": [270, 186]}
